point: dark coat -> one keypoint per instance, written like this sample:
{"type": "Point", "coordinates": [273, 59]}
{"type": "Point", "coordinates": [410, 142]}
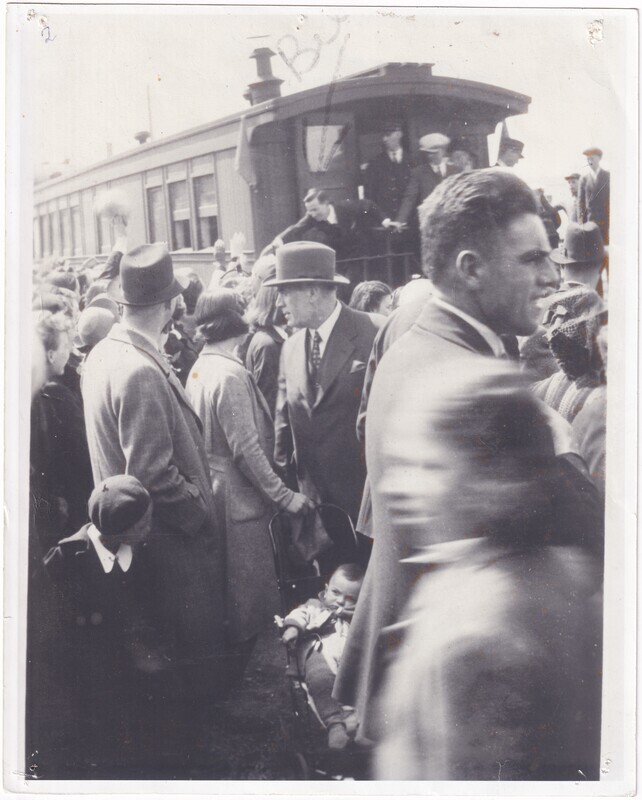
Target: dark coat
{"type": "Point", "coordinates": [499, 673]}
{"type": "Point", "coordinates": [385, 181]}
{"type": "Point", "coordinates": [349, 237]}
{"type": "Point", "coordinates": [140, 422]}
{"type": "Point", "coordinates": [61, 471]}
{"type": "Point", "coordinates": [239, 440]}
{"type": "Point", "coordinates": [262, 360]}
{"type": "Point", "coordinates": [423, 181]}
{"type": "Point", "coordinates": [438, 344]}
{"type": "Point", "coordinates": [321, 434]}
{"type": "Point", "coordinates": [594, 200]}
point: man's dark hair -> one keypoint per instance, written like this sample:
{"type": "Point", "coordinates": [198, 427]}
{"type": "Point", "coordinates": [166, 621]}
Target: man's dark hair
{"type": "Point", "coordinates": [316, 194]}
{"type": "Point", "coordinates": [468, 211]}
{"type": "Point", "coordinates": [351, 572]}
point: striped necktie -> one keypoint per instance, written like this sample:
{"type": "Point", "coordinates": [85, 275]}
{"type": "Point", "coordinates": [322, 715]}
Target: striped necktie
{"type": "Point", "coordinates": [315, 360]}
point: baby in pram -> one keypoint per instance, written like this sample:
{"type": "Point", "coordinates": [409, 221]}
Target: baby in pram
{"type": "Point", "coordinates": [319, 629]}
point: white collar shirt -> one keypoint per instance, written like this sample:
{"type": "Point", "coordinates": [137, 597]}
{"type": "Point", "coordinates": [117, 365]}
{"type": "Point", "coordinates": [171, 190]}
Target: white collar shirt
{"type": "Point", "coordinates": [396, 155]}
{"type": "Point", "coordinates": [493, 340]}
{"type": "Point", "coordinates": [107, 558]}
{"type": "Point", "coordinates": [332, 216]}
{"type": "Point", "coordinates": [325, 329]}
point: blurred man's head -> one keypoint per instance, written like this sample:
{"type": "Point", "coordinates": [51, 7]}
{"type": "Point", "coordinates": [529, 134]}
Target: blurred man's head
{"type": "Point", "coordinates": [510, 152]}
{"type": "Point", "coordinates": [573, 182]}
{"type": "Point", "coordinates": [486, 250]}
{"type": "Point", "coordinates": [435, 146]}
{"type": "Point", "coordinates": [593, 157]}
{"type": "Point", "coordinates": [391, 136]}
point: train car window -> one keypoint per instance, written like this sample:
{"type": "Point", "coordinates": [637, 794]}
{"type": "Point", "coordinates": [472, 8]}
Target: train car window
{"type": "Point", "coordinates": [55, 233]}
{"type": "Point", "coordinates": [37, 241]}
{"type": "Point", "coordinates": [206, 203]}
{"type": "Point", "coordinates": [104, 234]}
{"type": "Point", "coordinates": [324, 146]}
{"type": "Point", "coordinates": [45, 234]}
{"type": "Point", "coordinates": [67, 242]}
{"type": "Point", "coordinates": [76, 231]}
{"type": "Point", "coordinates": [156, 211]}
{"type": "Point", "coordinates": [179, 208]}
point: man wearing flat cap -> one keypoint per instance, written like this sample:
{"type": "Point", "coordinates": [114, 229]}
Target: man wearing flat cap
{"type": "Point", "coordinates": [385, 177]}
{"type": "Point", "coordinates": [321, 377]}
{"type": "Point", "coordinates": [425, 177]}
{"type": "Point", "coordinates": [594, 193]}
{"type": "Point", "coordinates": [141, 423]}
{"type": "Point", "coordinates": [510, 152]}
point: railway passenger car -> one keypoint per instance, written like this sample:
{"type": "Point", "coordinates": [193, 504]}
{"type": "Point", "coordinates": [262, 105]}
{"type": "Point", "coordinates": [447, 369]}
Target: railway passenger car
{"type": "Point", "coordinates": [248, 172]}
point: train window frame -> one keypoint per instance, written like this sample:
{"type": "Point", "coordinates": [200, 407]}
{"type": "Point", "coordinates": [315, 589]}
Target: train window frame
{"type": "Point", "coordinates": [153, 235]}
{"type": "Point", "coordinates": [198, 217]}
{"type": "Point", "coordinates": [182, 223]}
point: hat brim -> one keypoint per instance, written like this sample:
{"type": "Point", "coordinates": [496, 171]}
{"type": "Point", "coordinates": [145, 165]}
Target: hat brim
{"type": "Point", "coordinates": [560, 259]}
{"type": "Point", "coordinates": [177, 287]}
{"type": "Point", "coordinates": [338, 280]}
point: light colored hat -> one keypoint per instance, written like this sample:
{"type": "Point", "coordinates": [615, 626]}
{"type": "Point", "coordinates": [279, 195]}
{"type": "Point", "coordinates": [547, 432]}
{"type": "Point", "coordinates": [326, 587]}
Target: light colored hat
{"type": "Point", "coordinates": [92, 327]}
{"type": "Point", "coordinates": [433, 141]}
{"type": "Point", "coordinates": [305, 262]}
{"type": "Point", "coordinates": [592, 151]}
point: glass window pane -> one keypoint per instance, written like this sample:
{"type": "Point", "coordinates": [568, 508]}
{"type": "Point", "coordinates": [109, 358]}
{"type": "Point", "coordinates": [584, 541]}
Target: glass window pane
{"type": "Point", "coordinates": [179, 207]}
{"type": "Point", "coordinates": [67, 244]}
{"type": "Point", "coordinates": [156, 210]}
{"type": "Point", "coordinates": [207, 210]}
{"type": "Point", "coordinates": [77, 233]}
{"type": "Point", "coordinates": [55, 231]}
{"type": "Point", "coordinates": [37, 240]}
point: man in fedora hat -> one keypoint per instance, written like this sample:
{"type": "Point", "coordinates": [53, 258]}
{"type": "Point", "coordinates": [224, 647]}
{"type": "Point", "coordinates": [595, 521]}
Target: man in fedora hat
{"type": "Point", "coordinates": [385, 177]}
{"type": "Point", "coordinates": [594, 193]}
{"type": "Point", "coordinates": [510, 152]}
{"type": "Point", "coordinates": [321, 377]}
{"type": "Point", "coordinates": [580, 256]}
{"type": "Point", "coordinates": [140, 423]}
{"type": "Point", "coordinates": [425, 177]}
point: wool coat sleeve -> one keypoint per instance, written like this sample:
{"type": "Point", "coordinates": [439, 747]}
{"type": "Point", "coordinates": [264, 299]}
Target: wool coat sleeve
{"type": "Point", "coordinates": [146, 417]}
{"type": "Point", "coordinates": [411, 198]}
{"type": "Point", "coordinates": [235, 413]}
{"type": "Point", "coordinates": [296, 231]}
{"type": "Point", "coordinates": [262, 360]}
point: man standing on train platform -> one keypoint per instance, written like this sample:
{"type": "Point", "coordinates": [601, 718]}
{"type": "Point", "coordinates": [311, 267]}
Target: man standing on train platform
{"type": "Point", "coordinates": [385, 177]}
{"type": "Point", "coordinates": [510, 152]}
{"type": "Point", "coordinates": [426, 176]}
{"type": "Point", "coordinates": [140, 422]}
{"type": "Point", "coordinates": [594, 193]}
{"type": "Point", "coordinates": [321, 377]}
{"type": "Point", "coordinates": [572, 208]}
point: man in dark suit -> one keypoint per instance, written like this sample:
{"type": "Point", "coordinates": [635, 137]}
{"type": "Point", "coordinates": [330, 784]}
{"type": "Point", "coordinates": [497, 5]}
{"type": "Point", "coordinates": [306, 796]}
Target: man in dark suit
{"type": "Point", "coordinates": [344, 226]}
{"type": "Point", "coordinates": [385, 177]}
{"type": "Point", "coordinates": [594, 195]}
{"type": "Point", "coordinates": [321, 377]}
{"type": "Point", "coordinates": [425, 177]}
{"type": "Point", "coordinates": [487, 251]}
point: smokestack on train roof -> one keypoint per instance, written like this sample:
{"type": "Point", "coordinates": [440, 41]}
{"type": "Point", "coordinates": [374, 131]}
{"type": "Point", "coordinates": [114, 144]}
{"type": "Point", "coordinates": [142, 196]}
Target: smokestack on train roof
{"type": "Point", "coordinates": [142, 136]}
{"type": "Point", "coordinates": [268, 87]}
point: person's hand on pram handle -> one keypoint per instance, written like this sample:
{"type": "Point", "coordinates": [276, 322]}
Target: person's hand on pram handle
{"type": "Point", "coordinates": [300, 504]}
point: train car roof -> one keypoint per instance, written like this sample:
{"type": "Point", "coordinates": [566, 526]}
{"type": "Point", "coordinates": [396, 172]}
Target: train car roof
{"type": "Point", "coordinates": [392, 80]}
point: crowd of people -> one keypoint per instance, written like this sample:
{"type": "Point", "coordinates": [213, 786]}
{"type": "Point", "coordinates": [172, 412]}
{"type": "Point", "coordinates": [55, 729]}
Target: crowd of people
{"type": "Point", "coordinates": [459, 421]}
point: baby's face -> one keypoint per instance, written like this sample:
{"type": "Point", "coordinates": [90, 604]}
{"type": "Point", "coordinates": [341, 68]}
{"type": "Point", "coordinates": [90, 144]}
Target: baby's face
{"type": "Point", "coordinates": [341, 593]}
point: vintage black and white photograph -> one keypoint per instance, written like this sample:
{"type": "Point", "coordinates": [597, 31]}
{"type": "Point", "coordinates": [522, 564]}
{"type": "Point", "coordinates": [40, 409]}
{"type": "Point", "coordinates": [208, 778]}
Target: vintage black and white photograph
{"type": "Point", "coordinates": [311, 474]}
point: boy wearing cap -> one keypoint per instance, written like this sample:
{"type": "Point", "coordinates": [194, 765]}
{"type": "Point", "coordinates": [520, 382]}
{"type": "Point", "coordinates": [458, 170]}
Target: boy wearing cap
{"type": "Point", "coordinates": [510, 152]}
{"type": "Point", "coordinates": [108, 645]}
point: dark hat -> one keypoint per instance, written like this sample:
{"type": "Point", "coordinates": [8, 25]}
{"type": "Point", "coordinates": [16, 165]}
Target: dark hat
{"type": "Point", "coordinates": [574, 176]}
{"type": "Point", "coordinates": [592, 151]}
{"type": "Point", "coordinates": [583, 245]}
{"type": "Point", "coordinates": [511, 144]}
{"type": "Point", "coordinates": [305, 262]}
{"type": "Point", "coordinates": [147, 277]}
{"type": "Point", "coordinates": [117, 503]}
{"type": "Point", "coordinates": [391, 125]}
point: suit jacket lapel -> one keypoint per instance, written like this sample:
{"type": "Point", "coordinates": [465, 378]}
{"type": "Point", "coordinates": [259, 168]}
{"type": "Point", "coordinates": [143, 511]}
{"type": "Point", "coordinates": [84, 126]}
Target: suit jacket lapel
{"type": "Point", "coordinates": [337, 351]}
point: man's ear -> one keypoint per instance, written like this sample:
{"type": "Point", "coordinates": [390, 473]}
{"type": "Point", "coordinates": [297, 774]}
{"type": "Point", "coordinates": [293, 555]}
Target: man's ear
{"type": "Point", "coordinates": [470, 268]}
